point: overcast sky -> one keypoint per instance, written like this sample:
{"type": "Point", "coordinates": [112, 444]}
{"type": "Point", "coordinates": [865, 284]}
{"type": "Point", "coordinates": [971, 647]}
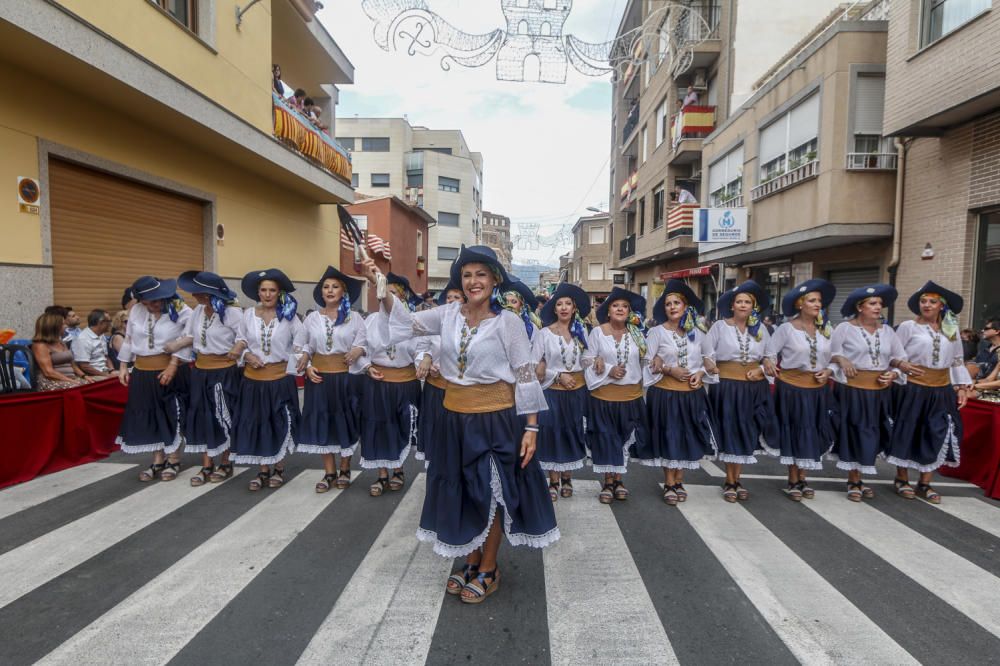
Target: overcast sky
{"type": "Point", "coordinates": [545, 146]}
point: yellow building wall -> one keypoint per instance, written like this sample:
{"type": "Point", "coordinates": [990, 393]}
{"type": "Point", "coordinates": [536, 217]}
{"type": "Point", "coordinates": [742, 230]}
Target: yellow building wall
{"type": "Point", "coordinates": [265, 224]}
{"type": "Point", "coordinates": [238, 76]}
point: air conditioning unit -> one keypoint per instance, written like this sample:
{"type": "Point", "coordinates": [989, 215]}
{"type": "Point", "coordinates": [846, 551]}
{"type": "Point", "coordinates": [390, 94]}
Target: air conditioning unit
{"type": "Point", "coordinates": [695, 171]}
{"type": "Point", "coordinates": [629, 277]}
{"type": "Point", "coordinates": [700, 81]}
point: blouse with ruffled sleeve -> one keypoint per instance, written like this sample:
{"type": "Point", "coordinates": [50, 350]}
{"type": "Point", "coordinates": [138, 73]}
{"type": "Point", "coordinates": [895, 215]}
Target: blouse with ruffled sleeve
{"type": "Point", "coordinates": [799, 351]}
{"type": "Point", "coordinates": [676, 350]}
{"type": "Point", "coordinates": [272, 342]}
{"type": "Point", "coordinates": [560, 355]}
{"type": "Point", "coordinates": [932, 349]}
{"type": "Point", "coordinates": [146, 334]}
{"type": "Point", "coordinates": [624, 352]}
{"type": "Point", "coordinates": [867, 351]}
{"type": "Point", "coordinates": [321, 335]}
{"type": "Point", "coordinates": [210, 334]}
{"type": "Point", "coordinates": [725, 342]}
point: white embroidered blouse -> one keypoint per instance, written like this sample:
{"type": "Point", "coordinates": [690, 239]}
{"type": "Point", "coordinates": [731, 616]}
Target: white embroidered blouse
{"type": "Point", "coordinates": [867, 351]}
{"type": "Point", "coordinates": [497, 350]}
{"type": "Point", "coordinates": [320, 335]}
{"type": "Point", "coordinates": [146, 334]}
{"type": "Point", "coordinates": [798, 350]}
{"type": "Point", "coordinates": [725, 342]}
{"type": "Point", "coordinates": [559, 354]}
{"type": "Point", "coordinates": [273, 342]}
{"type": "Point", "coordinates": [675, 350]}
{"type": "Point", "coordinates": [623, 352]}
{"type": "Point", "coordinates": [209, 334]}
{"type": "Point", "coordinates": [382, 351]}
{"type": "Point", "coordinates": [931, 349]}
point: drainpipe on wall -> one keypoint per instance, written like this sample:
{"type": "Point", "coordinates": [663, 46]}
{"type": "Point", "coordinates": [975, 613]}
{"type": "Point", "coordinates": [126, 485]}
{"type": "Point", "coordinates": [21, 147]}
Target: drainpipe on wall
{"type": "Point", "coordinates": [897, 216]}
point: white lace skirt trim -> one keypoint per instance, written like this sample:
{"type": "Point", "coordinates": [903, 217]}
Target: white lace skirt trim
{"type": "Point", "coordinates": [562, 467]}
{"type": "Point", "coordinates": [345, 451]}
{"type": "Point", "coordinates": [738, 460]}
{"type": "Point", "coordinates": [802, 463]}
{"type": "Point", "coordinates": [669, 464]}
{"type": "Point", "coordinates": [950, 443]}
{"type": "Point", "coordinates": [617, 469]}
{"type": "Point", "coordinates": [287, 447]}
{"type": "Point", "coordinates": [224, 418]}
{"type": "Point", "coordinates": [156, 446]}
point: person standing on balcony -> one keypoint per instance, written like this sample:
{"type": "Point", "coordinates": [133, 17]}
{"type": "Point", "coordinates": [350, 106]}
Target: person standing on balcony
{"type": "Point", "coordinates": [803, 401]}
{"type": "Point", "coordinates": [928, 427]}
{"type": "Point", "coordinates": [681, 425]}
{"type": "Point", "coordinates": [265, 431]}
{"type": "Point", "coordinates": [616, 413]}
{"type": "Point", "coordinates": [864, 350]}
{"type": "Point", "coordinates": [483, 480]}
{"type": "Point", "coordinates": [690, 99]}
{"type": "Point", "coordinates": [390, 400]}
{"type": "Point", "coordinates": [334, 341]}
{"type": "Point", "coordinates": [558, 351]}
{"type": "Point", "coordinates": [429, 423]}
{"type": "Point", "coordinates": [741, 402]}
{"type": "Point", "coordinates": [158, 385]}
{"type": "Point", "coordinates": [215, 378]}
{"type": "Point", "coordinates": [682, 196]}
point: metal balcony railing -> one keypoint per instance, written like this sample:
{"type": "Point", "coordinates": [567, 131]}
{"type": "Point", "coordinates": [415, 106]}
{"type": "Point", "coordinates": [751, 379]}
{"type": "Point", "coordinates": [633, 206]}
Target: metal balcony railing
{"type": "Point", "coordinates": [626, 247]}
{"type": "Point", "coordinates": [872, 161]}
{"type": "Point", "coordinates": [680, 220]}
{"type": "Point", "coordinates": [785, 180]}
{"type": "Point", "coordinates": [630, 123]}
{"type": "Point", "coordinates": [295, 131]}
{"type": "Point", "coordinates": [692, 122]}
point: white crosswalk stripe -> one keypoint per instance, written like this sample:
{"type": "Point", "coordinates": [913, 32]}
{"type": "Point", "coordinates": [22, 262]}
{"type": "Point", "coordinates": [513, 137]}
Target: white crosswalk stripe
{"type": "Point", "coordinates": [153, 624]}
{"type": "Point", "coordinates": [965, 586]}
{"type": "Point", "coordinates": [34, 492]}
{"type": "Point", "coordinates": [391, 605]}
{"type": "Point", "coordinates": [973, 511]}
{"type": "Point", "coordinates": [817, 623]}
{"type": "Point", "coordinates": [36, 562]}
{"type": "Point", "coordinates": [592, 561]}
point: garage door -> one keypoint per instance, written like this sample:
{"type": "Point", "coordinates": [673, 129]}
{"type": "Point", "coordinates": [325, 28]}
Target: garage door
{"type": "Point", "coordinates": [846, 282]}
{"type": "Point", "coordinates": [107, 231]}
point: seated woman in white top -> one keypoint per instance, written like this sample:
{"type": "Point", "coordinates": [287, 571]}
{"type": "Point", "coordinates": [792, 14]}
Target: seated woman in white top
{"type": "Point", "coordinates": [928, 428]}
{"type": "Point", "coordinates": [616, 412]}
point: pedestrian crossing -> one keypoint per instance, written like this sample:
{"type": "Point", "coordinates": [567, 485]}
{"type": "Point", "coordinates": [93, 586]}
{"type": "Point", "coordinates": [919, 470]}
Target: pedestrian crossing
{"type": "Point", "coordinates": [769, 581]}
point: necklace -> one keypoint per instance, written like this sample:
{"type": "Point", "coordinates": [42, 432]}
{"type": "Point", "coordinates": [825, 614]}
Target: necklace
{"type": "Point", "coordinates": [463, 347]}
{"type": "Point", "coordinates": [743, 341]}
{"type": "Point", "coordinates": [150, 324]}
{"type": "Point", "coordinates": [328, 326]}
{"type": "Point", "coordinates": [574, 353]}
{"type": "Point", "coordinates": [622, 349]}
{"type": "Point", "coordinates": [206, 323]}
{"type": "Point", "coordinates": [390, 351]}
{"type": "Point", "coordinates": [681, 342]}
{"type": "Point", "coordinates": [874, 349]}
{"type": "Point", "coordinates": [936, 345]}
{"type": "Point", "coordinates": [813, 351]}
{"type": "Point", "coordinates": [266, 332]}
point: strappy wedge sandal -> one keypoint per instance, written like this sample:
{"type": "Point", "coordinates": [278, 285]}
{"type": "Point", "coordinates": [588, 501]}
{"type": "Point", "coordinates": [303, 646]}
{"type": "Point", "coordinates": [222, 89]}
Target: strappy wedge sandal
{"type": "Point", "coordinates": [670, 495]}
{"type": "Point", "coordinates": [553, 490]}
{"type": "Point", "coordinates": [221, 473]}
{"type": "Point", "coordinates": [483, 585]}
{"type": "Point", "coordinates": [607, 494]}
{"type": "Point", "coordinates": [277, 479]}
{"type": "Point", "coordinates": [202, 477]}
{"type": "Point", "coordinates": [327, 482]}
{"type": "Point", "coordinates": [867, 491]}
{"type": "Point", "coordinates": [904, 489]}
{"type": "Point", "coordinates": [621, 492]}
{"type": "Point", "coordinates": [397, 481]}
{"type": "Point", "coordinates": [458, 580]}
{"type": "Point", "coordinates": [567, 486]}
{"type": "Point", "coordinates": [259, 481]}
{"type": "Point", "coordinates": [170, 470]}
{"type": "Point", "coordinates": [854, 492]}
{"type": "Point", "coordinates": [379, 486]}
{"type": "Point", "coordinates": [793, 492]}
{"type": "Point", "coordinates": [151, 472]}
{"type": "Point", "coordinates": [682, 495]}
{"type": "Point", "coordinates": [926, 492]}
{"type": "Point", "coordinates": [729, 492]}
{"type": "Point", "coordinates": [742, 494]}
{"type": "Point", "coordinates": [807, 492]}
{"type": "Point", "coordinates": [344, 479]}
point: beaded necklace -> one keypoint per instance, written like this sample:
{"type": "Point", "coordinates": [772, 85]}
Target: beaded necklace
{"type": "Point", "coordinates": [573, 355]}
{"type": "Point", "coordinates": [266, 332]}
{"type": "Point", "coordinates": [463, 347]}
{"type": "Point", "coordinates": [622, 349]}
{"type": "Point", "coordinates": [150, 324]}
{"type": "Point", "coordinates": [813, 350]}
{"type": "Point", "coordinates": [681, 342]}
{"type": "Point", "coordinates": [743, 340]}
{"type": "Point", "coordinates": [328, 325]}
{"type": "Point", "coordinates": [874, 350]}
{"type": "Point", "coordinates": [206, 323]}
{"type": "Point", "coordinates": [936, 347]}
{"type": "Point", "coordinates": [390, 351]}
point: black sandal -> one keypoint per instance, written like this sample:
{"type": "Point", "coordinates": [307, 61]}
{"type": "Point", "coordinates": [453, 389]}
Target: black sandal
{"type": "Point", "coordinates": [324, 484]}
{"type": "Point", "coordinates": [276, 479]}
{"type": "Point", "coordinates": [682, 494]}
{"type": "Point", "coordinates": [397, 481]}
{"type": "Point", "coordinates": [202, 477]}
{"type": "Point", "coordinates": [607, 494]}
{"type": "Point", "coordinates": [458, 580]}
{"type": "Point", "coordinates": [567, 486]}
{"type": "Point", "coordinates": [221, 473]}
{"type": "Point", "coordinates": [553, 490]}
{"type": "Point", "coordinates": [480, 588]}
{"type": "Point", "coordinates": [904, 489]}
{"type": "Point", "coordinates": [742, 494]}
{"type": "Point", "coordinates": [344, 480]}
{"type": "Point", "coordinates": [150, 473]}
{"type": "Point", "coordinates": [259, 481]}
{"type": "Point", "coordinates": [729, 492]}
{"type": "Point", "coordinates": [379, 486]}
{"type": "Point", "coordinates": [170, 470]}
{"type": "Point", "coordinates": [621, 492]}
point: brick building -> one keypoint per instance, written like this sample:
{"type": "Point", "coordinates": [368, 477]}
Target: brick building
{"type": "Point", "coordinates": [496, 234]}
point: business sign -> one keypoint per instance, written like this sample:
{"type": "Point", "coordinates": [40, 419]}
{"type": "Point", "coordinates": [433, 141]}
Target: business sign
{"type": "Point", "coordinates": [721, 225]}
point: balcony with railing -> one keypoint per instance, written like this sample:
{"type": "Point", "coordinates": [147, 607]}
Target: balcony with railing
{"type": "Point", "coordinates": [631, 122]}
{"type": "Point", "coordinates": [626, 247]}
{"type": "Point", "coordinates": [782, 181]}
{"type": "Point", "coordinates": [414, 196]}
{"type": "Point", "coordinates": [872, 161]}
{"type": "Point", "coordinates": [627, 191]}
{"type": "Point", "coordinates": [699, 27]}
{"type": "Point", "coordinates": [680, 220]}
{"type": "Point", "coordinates": [297, 132]}
{"type": "Point", "coordinates": [687, 128]}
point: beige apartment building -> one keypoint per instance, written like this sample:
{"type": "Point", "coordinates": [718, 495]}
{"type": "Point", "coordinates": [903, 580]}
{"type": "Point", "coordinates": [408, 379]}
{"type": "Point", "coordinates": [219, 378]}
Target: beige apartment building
{"type": "Point", "coordinates": [806, 157]}
{"type": "Point", "coordinates": [658, 128]}
{"type": "Point", "coordinates": [496, 234]}
{"type": "Point", "coordinates": [589, 264]}
{"type": "Point", "coordinates": [433, 169]}
{"type": "Point", "coordinates": [943, 102]}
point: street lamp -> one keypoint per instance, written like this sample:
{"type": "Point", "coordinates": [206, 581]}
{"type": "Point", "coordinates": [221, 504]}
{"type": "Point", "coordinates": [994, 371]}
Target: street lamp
{"type": "Point", "coordinates": [594, 209]}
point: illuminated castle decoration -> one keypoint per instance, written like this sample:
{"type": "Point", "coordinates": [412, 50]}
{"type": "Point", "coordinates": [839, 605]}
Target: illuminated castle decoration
{"type": "Point", "coordinates": [534, 33]}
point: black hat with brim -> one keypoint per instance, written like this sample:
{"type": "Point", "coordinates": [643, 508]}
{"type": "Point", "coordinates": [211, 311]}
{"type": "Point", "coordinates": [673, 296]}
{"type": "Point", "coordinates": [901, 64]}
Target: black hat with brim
{"type": "Point", "coordinates": [149, 288]}
{"type": "Point", "coordinates": [352, 285]}
{"type": "Point", "coordinates": [674, 286]}
{"type": "Point", "coordinates": [725, 304]}
{"type": "Point", "coordinates": [524, 291]}
{"type": "Point", "coordinates": [442, 297]}
{"type": "Point", "coordinates": [205, 282]}
{"type": "Point", "coordinates": [477, 254]}
{"type": "Point", "coordinates": [636, 302]}
{"type": "Point", "coordinates": [827, 293]}
{"type": "Point", "coordinates": [886, 292]}
{"type": "Point", "coordinates": [954, 301]}
{"type": "Point", "coordinates": [565, 290]}
{"type": "Point", "coordinates": [251, 282]}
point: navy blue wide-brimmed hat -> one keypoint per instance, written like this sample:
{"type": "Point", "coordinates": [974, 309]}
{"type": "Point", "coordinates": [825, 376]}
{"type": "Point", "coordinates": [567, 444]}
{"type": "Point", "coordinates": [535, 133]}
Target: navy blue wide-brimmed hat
{"type": "Point", "coordinates": [528, 296]}
{"type": "Point", "coordinates": [149, 288]}
{"type": "Point", "coordinates": [954, 301]}
{"type": "Point", "coordinates": [635, 301]}
{"type": "Point", "coordinates": [352, 285]}
{"type": "Point", "coordinates": [127, 296]}
{"type": "Point", "coordinates": [826, 290]}
{"type": "Point", "coordinates": [204, 282]}
{"type": "Point", "coordinates": [565, 290]}
{"type": "Point", "coordinates": [725, 304]}
{"type": "Point", "coordinates": [477, 254]}
{"type": "Point", "coordinates": [411, 296]}
{"type": "Point", "coordinates": [251, 281]}
{"type": "Point", "coordinates": [885, 292]}
{"type": "Point", "coordinates": [442, 297]}
{"type": "Point", "coordinates": [676, 287]}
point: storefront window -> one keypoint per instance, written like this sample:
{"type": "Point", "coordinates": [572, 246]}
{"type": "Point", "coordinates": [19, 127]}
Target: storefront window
{"type": "Point", "coordinates": [987, 286]}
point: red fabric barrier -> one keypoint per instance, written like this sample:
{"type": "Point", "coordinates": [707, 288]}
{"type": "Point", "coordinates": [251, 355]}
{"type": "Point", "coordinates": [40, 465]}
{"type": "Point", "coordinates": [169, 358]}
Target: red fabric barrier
{"type": "Point", "coordinates": [41, 433]}
{"type": "Point", "coordinates": [980, 462]}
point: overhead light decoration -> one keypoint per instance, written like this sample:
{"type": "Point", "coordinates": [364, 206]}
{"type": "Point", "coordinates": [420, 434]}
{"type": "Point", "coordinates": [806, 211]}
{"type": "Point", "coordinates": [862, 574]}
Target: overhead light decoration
{"type": "Point", "coordinates": [534, 33]}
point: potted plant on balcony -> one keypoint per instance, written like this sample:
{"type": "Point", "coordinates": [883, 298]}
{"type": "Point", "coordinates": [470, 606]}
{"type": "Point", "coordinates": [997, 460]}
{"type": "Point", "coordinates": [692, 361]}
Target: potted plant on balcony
{"type": "Point", "coordinates": [811, 156]}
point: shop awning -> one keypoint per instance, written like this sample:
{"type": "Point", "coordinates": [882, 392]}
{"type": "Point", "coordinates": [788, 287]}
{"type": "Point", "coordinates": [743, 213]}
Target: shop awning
{"type": "Point", "coordinates": [701, 271]}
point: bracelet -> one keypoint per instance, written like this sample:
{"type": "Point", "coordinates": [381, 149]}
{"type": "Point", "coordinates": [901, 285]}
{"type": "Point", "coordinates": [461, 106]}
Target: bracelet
{"type": "Point", "coordinates": [531, 428]}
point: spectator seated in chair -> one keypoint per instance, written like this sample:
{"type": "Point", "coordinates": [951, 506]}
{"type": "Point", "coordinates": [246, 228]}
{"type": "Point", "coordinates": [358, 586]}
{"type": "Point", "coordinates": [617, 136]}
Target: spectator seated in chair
{"type": "Point", "coordinates": [53, 359]}
{"type": "Point", "coordinates": [89, 348]}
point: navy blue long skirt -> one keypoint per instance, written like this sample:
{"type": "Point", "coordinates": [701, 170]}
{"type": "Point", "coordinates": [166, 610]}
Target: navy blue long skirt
{"type": "Point", "coordinates": [211, 410]}
{"type": "Point", "coordinates": [429, 420]}
{"type": "Point", "coordinates": [154, 414]}
{"type": "Point", "coordinates": [805, 424]}
{"type": "Point", "coordinates": [268, 421]}
{"type": "Point", "coordinates": [330, 422]}
{"type": "Point", "coordinates": [681, 430]}
{"type": "Point", "coordinates": [475, 475]}
{"type": "Point", "coordinates": [863, 422]}
{"type": "Point", "coordinates": [928, 428]}
{"type": "Point", "coordinates": [613, 429]}
{"type": "Point", "coordinates": [744, 413]}
{"type": "Point", "coordinates": [389, 422]}
{"type": "Point", "coordinates": [562, 430]}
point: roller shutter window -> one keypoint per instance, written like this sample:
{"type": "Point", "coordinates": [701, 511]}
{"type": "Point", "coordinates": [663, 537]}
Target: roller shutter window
{"type": "Point", "coordinates": [847, 281]}
{"type": "Point", "coordinates": [107, 231]}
